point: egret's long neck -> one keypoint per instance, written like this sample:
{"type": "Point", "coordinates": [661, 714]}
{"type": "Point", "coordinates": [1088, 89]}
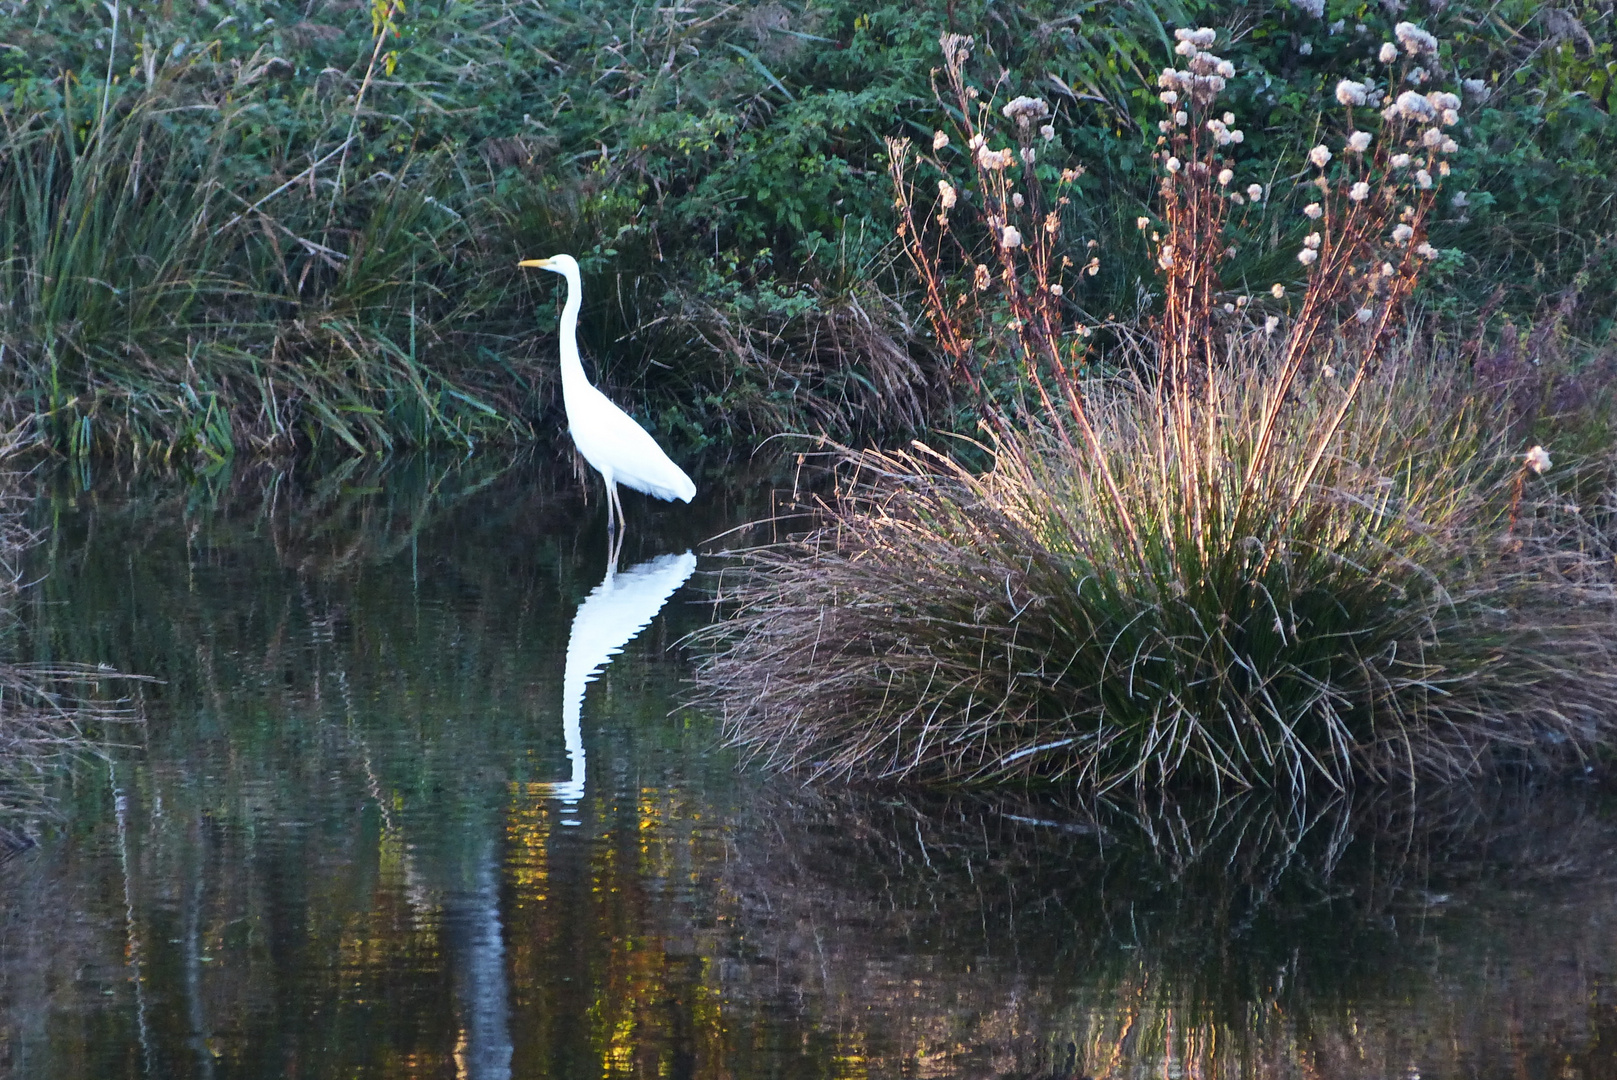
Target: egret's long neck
{"type": "Point", "coordinates": [572, 369]}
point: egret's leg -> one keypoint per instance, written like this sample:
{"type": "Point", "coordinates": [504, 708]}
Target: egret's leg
{"type": "Point", "coordinates": [617, 497]}
{"type": "Point", "coordinates": [611, 501]}
{"type": "Point", "coordinates": [614, 548]}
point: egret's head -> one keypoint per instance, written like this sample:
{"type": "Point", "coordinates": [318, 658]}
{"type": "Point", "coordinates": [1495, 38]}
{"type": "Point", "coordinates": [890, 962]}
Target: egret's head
{"type": "Point", "coordinates": [558, 264]}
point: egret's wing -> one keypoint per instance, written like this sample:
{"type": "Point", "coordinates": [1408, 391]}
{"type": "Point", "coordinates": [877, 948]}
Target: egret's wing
{"type": "Point", "coordinates": [611, 441]}
{"type": "Point", "coordinates": [611, 615]}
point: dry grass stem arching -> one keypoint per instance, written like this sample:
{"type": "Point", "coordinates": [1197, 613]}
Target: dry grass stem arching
{"type": "Point", "coordinates": [1293, 560]}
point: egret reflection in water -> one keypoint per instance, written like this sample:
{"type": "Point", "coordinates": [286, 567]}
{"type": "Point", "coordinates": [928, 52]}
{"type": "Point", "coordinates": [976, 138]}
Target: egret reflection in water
{"type": "Point", "coordinates": [617, 609]}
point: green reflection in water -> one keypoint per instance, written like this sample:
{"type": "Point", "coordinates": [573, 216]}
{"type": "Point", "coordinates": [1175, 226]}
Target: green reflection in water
{"type": "Point", "coordinates": [340, 851]}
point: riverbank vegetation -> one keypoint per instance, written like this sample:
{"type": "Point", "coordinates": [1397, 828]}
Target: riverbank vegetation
{"type": "Point", "coordinates": [263, 227]}
{"type": "Point", "coordinates": [1294, 542]}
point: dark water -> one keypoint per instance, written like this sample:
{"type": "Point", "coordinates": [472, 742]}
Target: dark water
{"type": "Point", "coordinates": [370, 828]}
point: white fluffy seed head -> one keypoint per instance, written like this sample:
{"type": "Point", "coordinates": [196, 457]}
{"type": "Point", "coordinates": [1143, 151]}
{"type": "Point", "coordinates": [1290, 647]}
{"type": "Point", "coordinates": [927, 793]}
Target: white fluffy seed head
{"type": "Point", "coordinates": [1359, 192]}
{"type": "Point", "coordinates": [1320, 156]}
{"type": "Point", "coordinates": [1359, 142]}
{"type": "Point", "coordinates": [1349, 92]}
{"type": "Point", "coordinates": [1414, 40]}
{"type": "Point", "coordinates": [1224, 177]}
{"type": "Point", "coordinates": [1025, 110]}
{"type": "Point", "coordinates": [1313, 210]}
{"type": "Point", "coordinates": [1388, 53]}
{"type": "Point", "coordinates": [1414, 106]}
{"type": "Point", "coordinates": [1401, 234]}
{"type": "Point", "coordinates": [1254, 192]}
{"type": "Point", "coordinates": [1307, 256]}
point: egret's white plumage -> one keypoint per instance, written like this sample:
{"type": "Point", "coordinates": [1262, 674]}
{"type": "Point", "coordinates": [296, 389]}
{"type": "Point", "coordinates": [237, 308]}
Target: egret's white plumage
{"type": "Point", "coordinates": [614, 445]}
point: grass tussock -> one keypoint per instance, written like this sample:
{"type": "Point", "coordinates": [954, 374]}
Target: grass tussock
{"type": "Point", "coordinates": [1288, 559]}
{"type": "Point", "coordinates": [1385, 620]}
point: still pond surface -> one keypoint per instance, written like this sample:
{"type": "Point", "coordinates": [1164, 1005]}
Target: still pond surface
{"type": "Point", "coordinates": [376, 823]}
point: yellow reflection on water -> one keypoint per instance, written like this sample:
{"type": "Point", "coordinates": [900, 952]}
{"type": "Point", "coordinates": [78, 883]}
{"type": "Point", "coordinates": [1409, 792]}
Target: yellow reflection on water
{"type": "Point", "coordinates": [640, 979]}
{"type": "Point", "coordinates": [527, 832]}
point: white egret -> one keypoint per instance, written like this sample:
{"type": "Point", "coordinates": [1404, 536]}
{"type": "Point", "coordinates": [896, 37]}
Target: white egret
{"type": "Point", "coordinates": [614, 445]}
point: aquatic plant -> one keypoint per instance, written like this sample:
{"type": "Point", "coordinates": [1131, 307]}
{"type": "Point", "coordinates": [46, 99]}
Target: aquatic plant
{"type": "Point", "coordinates": [1289, 558]}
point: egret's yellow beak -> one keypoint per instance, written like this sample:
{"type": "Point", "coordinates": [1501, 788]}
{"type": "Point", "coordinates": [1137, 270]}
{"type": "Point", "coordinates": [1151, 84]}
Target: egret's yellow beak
{"type": "Point", "coordinates": [543, 264]}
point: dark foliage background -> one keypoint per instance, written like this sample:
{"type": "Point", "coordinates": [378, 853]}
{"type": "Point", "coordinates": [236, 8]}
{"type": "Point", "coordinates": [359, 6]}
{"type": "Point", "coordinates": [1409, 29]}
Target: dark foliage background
{"type": "Point", "coordinates": [268, 233]}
